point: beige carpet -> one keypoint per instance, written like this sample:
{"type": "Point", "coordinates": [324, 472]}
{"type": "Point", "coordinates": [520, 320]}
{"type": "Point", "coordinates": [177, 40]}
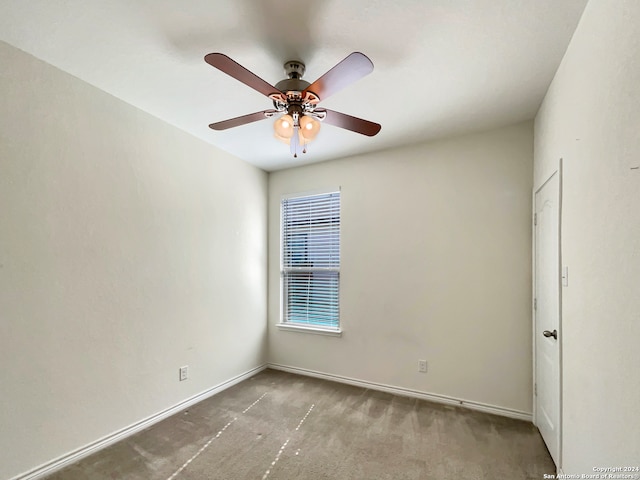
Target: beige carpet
{"type": "Point", "coordinates": [280, 426]}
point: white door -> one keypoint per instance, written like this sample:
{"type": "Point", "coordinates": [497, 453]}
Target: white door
{"type": "Point", "coordinates": [547, 314]}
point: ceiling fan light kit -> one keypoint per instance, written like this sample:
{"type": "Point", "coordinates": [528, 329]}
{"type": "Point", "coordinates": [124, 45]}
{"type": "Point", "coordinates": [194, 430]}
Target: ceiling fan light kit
{"type": "Point", "coordinates": [296, 100]}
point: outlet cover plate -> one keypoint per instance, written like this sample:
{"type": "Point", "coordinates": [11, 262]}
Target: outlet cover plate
{"type": "Point", "coordinates": [422, 366]}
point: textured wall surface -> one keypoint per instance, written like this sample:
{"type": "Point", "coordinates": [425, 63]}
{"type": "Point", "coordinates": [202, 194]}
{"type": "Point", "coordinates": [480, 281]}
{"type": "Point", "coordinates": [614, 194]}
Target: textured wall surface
{"type": "Point", "coordinates": [127, 249]}
{"type": "Point", "coordinates": [591, 118]}
{"type": "Point", "coordinates": [436, 265]}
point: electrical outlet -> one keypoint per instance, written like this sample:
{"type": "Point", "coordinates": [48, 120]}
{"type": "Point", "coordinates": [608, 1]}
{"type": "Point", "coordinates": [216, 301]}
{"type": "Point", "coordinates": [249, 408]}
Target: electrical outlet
{"type": "Point", "coordinates": [184, 372]}
{"type": "Point", "coordinates": [422, 366]}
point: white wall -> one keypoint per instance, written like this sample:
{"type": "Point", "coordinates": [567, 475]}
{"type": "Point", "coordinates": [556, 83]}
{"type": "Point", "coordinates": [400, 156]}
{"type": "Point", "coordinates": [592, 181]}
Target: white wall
{"type": "Point", "coordinates": [127, 249]}
{"type": "Point", "coordinates": [591, 118]}
{"type": "Point", "coordinates": [436, 264]}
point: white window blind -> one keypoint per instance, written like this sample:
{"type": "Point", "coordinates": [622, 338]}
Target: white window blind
{"type": "Point", "coordinates": [311, 260]}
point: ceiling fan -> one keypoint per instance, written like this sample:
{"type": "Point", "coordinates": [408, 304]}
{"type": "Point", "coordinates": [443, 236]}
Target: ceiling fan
{"type": "Point", "coordinates": [297, 100]}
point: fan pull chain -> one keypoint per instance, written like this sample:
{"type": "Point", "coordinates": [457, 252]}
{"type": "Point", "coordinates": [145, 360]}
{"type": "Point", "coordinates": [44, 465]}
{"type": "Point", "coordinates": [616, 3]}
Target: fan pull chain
{"type": "Point", "coordinates": [294, 141]}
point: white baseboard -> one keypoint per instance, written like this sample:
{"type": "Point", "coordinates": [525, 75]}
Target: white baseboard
{"type": "Point", "coordinates": [72, 457]}
{"type": "Point", "coordinates": [432, 397]}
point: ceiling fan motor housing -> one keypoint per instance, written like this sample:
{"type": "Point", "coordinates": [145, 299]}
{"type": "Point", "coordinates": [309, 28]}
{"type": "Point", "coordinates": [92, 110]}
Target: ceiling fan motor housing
{"type": "Point", "coordinates": [295, 101]}
{"type": "Point", "coordinates": [294, 85]}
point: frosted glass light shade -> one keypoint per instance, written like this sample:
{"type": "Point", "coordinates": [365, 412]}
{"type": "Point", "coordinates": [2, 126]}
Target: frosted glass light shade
{"type": "Point", "coordinates": [283, 126]}
{"type": "Point", "coordinates": [309, 127]}
{"type": "Point", "coordinates": [282, 139]}
{"type": "Point", "coordinates": [301, 139]}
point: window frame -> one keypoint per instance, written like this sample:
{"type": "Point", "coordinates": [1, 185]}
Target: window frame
{"type": "Point", "coordinates": [300, 327]}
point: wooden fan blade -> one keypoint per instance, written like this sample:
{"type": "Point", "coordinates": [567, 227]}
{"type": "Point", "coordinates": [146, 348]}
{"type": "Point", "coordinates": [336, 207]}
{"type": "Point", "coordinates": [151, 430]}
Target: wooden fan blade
{"type": "Point", "coordinates": [355, 124]}
{"type": "Point", "coordinates": [237, 71]}
{"type": "Point", "coordinates": [352, 68]}
{"type": "Point", "coordinates": [243, 120]}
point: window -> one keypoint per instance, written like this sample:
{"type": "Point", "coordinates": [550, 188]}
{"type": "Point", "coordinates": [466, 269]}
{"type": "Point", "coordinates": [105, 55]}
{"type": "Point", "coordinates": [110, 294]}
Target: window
{"type": "Point", "coordinates": [311, 261]}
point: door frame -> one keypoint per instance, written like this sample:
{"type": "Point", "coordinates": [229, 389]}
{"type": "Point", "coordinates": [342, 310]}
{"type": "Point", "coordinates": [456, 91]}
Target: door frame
{"type": "Point", "coordinates": [559, 172]}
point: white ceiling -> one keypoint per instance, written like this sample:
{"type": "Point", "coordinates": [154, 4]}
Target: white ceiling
{"type": "Point", "coordinates": [442, 67]}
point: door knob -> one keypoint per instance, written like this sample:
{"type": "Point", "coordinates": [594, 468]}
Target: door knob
{"type": "Point", "coordinates": [553, 334]}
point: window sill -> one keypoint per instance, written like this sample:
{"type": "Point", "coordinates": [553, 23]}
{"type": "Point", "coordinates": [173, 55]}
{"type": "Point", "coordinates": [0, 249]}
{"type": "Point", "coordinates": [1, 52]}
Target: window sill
{"type": "Point", "coordinates": [313, 330]}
